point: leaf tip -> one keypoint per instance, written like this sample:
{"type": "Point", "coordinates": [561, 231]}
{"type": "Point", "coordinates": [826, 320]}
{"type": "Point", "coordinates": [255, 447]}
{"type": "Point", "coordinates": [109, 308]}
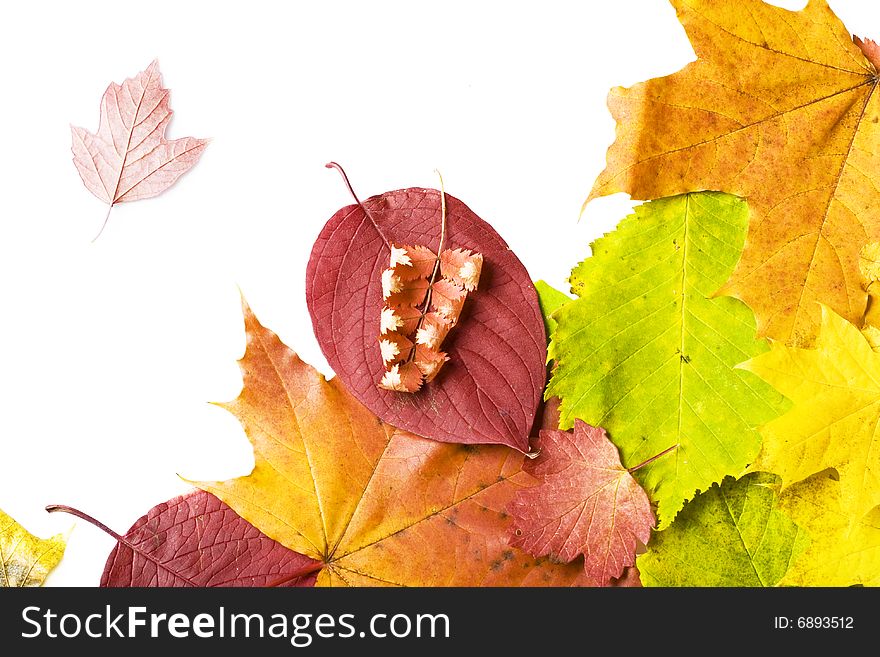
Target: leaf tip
{"type": "Point", "coordinates": [584, 205]}
{"type": "Point", "coordinates": [245, 307]}
{"type": "Point", "coordinates": [192, 482]}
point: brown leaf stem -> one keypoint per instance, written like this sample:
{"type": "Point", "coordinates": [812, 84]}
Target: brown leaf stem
{"type": "Point", "coordinates": [63, 508]}
{"type": "Point", "coordinates": [338, 167]}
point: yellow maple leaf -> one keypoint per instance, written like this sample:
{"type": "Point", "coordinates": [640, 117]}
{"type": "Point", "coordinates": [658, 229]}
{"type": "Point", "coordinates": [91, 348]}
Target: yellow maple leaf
{"type": "Point", "coordinates": [779, 108]}
{"type": "Point", "coordinates": [834, 421]}
{"type": "Point", "coordinates": [869, 264]}
{"type": "Point", "coordinates": [25, 559]}
{"type": "Point", "coordinates": [844, 550]}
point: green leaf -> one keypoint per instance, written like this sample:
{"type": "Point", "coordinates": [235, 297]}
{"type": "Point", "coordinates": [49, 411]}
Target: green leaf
{"type": "Point", "coordinates": [550, 300]}
{"type": "Point", "coordinates": [731, 535]}
{"type": "Point", "coordinates": [647, 353]}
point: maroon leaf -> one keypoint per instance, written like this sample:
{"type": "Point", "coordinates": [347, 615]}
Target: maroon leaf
{"type": "Point", "coordinates": [586, 504]}
{"type": "Point", "coordinates": [197, 540]}
{"type": "Point", "coordinates": [490, 389]}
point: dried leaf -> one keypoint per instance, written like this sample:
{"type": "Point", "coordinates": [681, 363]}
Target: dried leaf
{"type": "Point", "coordinates": [490, 389]}
{"type": "Point", "coordinates": [869, 265]}
{"type": "Point", "coordinates": [402, 377]}
{"type": "Point", "coordinates": [731, 535]}
{"type": "Point", "coordinates": [376, 506]}
{"type": "Point", "coordinates": [411, 289]}
{"type": "Point", "coordinates": [835, 390]}
{"type": "Point", "coordinates": [129, 158]}
{"type": "Point", "coordinates": [448, 299]}
{"type": "Point", "coordinates": [779, 108]}
{"type": "Point", "coordinates": [197, 540]}
{"type": "Point", "coordinates": [649, 354]}
{"type": "Point", "coordinates": [461, 267]}
{"type": "Point", "coordinates": [586, 504]}
{"type": "Point", "coordinates": [394, 348]}
{"type": "Point", "coordinates": [434, 329]}
{"type": "Point", "coordinates": [844, 550]}
{"type": "Point", "coordinates": [411, 262]}
{"type": "Point", "coordinates": [26, 560]}
{"type": "Point", "coordinates": [551, 300]}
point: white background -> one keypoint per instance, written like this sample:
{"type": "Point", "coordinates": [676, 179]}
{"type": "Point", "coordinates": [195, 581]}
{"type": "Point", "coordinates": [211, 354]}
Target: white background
{"type": "Point", "coordinates": [109, 352]}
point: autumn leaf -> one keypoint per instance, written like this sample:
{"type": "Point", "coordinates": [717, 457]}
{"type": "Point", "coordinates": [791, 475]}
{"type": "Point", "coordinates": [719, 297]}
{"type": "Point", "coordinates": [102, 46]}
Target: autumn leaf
{"type": "Point", "coordinates": [844, 550]}
{"type": "Point", "coordinates": [433, 290]}
{"type": "Point", "coordinates": [779, 108]}
{"type": "Point", "coordinates": [586, 504]}
{"type": "Point", "coordinates": [26, 560]}
{"type": "Point", "coordinates": [197, 540]}
{"type": "Point", "coordinates": [376, 506]}
{"type": "Point", "coordinates": [490, 389]}
{"type": "Point", "coordinates": [647, 353]}
{"type": "Point", "coordinates": [731, 535]}
{"type": "Point", "coordinates": [129, 159]}
{"type": "Point", "coordinates": [869, 265]}
{"type": "Point", "coordinates": [550, 300]}
{"type": "Point", "coordinates": [833, 423]}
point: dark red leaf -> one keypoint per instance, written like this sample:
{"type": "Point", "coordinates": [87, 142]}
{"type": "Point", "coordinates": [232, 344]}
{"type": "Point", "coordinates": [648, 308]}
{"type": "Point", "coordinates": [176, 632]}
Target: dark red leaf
{"type": "Point", "coordinates": [197, 540]}
{"type": "Point", "coordinates": [490, 389]}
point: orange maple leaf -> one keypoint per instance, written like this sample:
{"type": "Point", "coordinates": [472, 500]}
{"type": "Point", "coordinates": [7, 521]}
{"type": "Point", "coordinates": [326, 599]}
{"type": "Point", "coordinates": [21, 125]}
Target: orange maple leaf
{"type": "Point", "coordinates": [780, 108]}
{"type": "Point", "coordinates": [375, 505]}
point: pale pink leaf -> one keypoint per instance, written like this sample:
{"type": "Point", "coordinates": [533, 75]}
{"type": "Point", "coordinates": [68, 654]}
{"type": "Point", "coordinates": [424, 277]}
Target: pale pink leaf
{"type": "Point", "coordinates": [129, 158]}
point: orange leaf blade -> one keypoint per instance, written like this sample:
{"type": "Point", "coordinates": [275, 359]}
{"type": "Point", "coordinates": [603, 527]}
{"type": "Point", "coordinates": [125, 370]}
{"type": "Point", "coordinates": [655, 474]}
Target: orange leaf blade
{"type": "Point", "coordinates": [435, 514]}
{"type": "Point", "coordinates": [791, 125]}
{"type": "Point", "coordinates": [374, 505]}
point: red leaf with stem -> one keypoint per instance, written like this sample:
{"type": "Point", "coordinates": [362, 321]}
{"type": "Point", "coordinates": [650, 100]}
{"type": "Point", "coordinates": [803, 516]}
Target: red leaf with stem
{"type": "Point", "coordinates": [490, 389]}
{"type": "Point", "coordinates": [197, 540]}
{"type": "Point", "coordinates": [586, 504]}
